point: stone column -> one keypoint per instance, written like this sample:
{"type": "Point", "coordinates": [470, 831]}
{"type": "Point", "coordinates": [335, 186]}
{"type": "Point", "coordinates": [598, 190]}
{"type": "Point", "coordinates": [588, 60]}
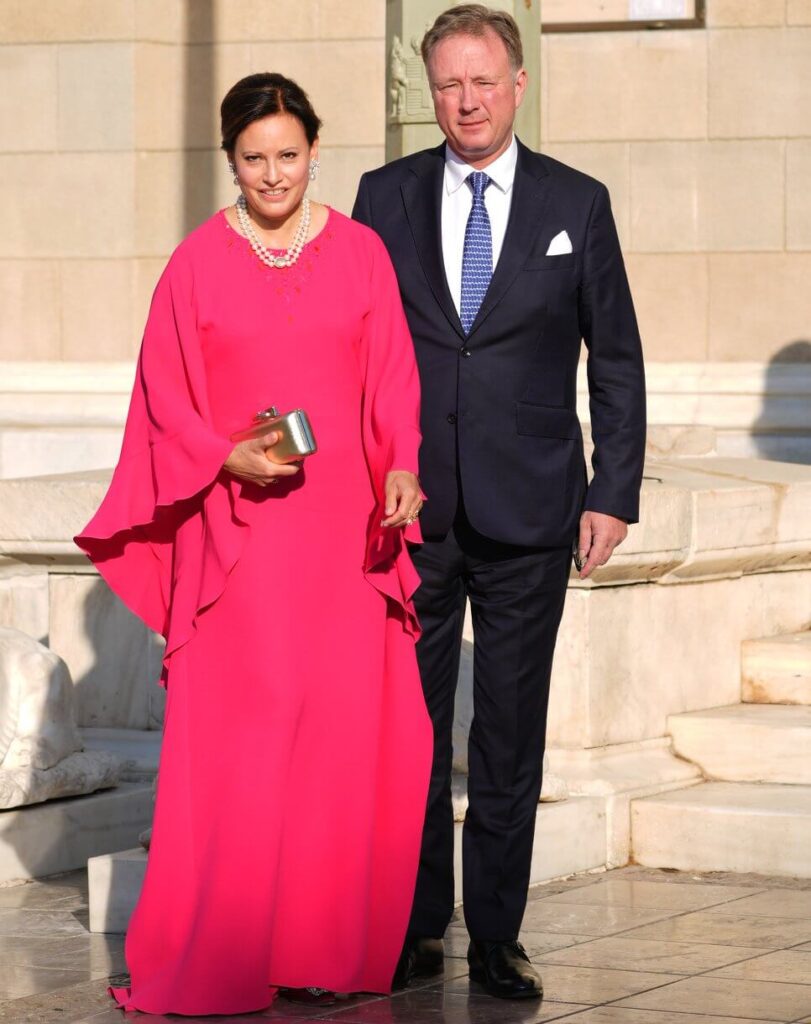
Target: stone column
{"type": "Point", "coordinates": [410, 124]}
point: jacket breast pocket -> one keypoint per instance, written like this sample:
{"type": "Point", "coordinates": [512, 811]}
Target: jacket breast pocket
{"type": "Point", "coordinates": [547, 421]}
{"type": "Point", "coordinates": [564, 261]}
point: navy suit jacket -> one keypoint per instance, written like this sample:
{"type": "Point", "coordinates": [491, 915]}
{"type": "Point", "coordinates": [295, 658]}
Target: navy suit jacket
{"type": "Point", "coordinates": [498, 405]}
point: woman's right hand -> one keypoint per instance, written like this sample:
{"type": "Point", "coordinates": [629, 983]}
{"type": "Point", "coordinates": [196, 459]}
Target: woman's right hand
{"type": "Point", "coordinates": [249, 461]}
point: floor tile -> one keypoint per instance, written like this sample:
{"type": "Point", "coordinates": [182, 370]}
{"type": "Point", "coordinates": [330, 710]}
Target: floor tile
{"type": "Point", "coordinates": [735, 929]}
{"type": "Point", "coordinates": [17, 981]}
{"type": "Point", "coordinates": [440, 1006]}
{"type": "Point", "coordinates": [653, 895]}
{"type": "Point", "coordinates": [783, 965]}
{"type": "Point", "coordinates": [62, 1006]}
{"type": "Point", "coordinates": [91, 953]}
{"type": "Point", "coordinates": [580, 984]}
{"type": "Point", "coordinates": [40, 897]}
{"type": "Point", "coordinates": [759, 1000]}
{"type": "Point", "coordinates": [545, 916]}
{"type": "Point", "coordinates": [772, 903]}
{"type": "Point", "coordinates": [624, 1015]}
{"type": "Point", "coordinates": [40, 922]}
{"type": "Point", "coordinates": [535, 943]}
{"type": "Point", "coordinates": [649, 955]}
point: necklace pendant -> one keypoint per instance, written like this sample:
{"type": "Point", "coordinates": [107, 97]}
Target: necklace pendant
{"type": "Point", "coordinates": [280, 262]}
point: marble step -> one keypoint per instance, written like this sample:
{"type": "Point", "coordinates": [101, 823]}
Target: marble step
{"type": "Point", "coordinates": [570, 836]}
{"type": "Point", "coordinates": [747, 742]}
{"type": "Point", "coordinates": [725, 826]}
{"type": "Point", "coordinates": [777, 669]}
{"type": "Point", "coordinates": [60, 835]}
{"type": "Point", "coordinates": [137, 749]}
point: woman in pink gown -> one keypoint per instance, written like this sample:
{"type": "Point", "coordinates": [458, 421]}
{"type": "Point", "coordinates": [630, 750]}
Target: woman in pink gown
{"type": "Point", "coordinates": [297, 748]}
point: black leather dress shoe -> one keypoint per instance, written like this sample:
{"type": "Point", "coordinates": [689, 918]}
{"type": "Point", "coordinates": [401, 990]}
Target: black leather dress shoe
{"type": "Point", "coordinates": [421, 958]}
{"type": "Point", "coordinates": [504, 970]}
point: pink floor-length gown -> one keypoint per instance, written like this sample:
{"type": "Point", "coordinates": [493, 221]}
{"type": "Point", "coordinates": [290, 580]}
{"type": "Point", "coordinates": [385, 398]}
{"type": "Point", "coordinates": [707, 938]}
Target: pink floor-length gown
{"type": "Point", "coordinates": [297, 747]}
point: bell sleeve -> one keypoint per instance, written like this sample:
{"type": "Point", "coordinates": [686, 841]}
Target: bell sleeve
{"type": "Point", "coordinates": [390, 426]}
{"type": "Point", "coordinates": [170, 459]}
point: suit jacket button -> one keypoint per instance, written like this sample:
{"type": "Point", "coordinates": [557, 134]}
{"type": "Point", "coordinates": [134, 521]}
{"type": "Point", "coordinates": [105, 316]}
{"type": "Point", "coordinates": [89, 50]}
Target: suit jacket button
{"type": "Point", "coordinates": [465, 351]}
{"type": "Point", "coordinates": [451, 418]}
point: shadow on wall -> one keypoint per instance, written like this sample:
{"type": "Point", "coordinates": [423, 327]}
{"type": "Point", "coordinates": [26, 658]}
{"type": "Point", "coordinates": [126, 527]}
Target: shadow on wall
{"type": "Point", "coordinates": [782, 431]}
{"type": "Point", "coordinates": [200, 165]}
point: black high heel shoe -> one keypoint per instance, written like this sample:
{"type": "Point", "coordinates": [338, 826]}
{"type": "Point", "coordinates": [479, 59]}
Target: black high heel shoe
{"type": "Point", "coordinates": [309, 996]}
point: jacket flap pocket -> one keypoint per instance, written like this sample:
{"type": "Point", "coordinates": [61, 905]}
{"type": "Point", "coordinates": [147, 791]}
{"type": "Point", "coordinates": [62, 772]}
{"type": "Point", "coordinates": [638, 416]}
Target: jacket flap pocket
{"type": "Point", "coordinates": [561, 262]}
{"type": "Point", "coordinates": [547, 421]}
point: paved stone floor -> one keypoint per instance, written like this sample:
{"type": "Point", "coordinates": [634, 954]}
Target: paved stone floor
{"type": "Point", "coordinates": [632, 946]}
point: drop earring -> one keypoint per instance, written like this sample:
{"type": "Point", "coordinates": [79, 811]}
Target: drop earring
{"type": "Point", "coordinates": [314, 165]}
{"type": "Point", "coordinates": [233, 170]}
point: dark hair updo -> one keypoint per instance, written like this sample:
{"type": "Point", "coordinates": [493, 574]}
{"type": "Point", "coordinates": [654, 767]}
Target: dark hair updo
{"type": "Point", "coordinates": [262, 95]}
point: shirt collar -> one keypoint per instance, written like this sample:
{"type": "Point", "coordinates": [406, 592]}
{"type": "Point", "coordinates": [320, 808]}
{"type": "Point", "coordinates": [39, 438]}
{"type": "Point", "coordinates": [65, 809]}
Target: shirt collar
{"type": "Point", "coordinates": [501, 171]}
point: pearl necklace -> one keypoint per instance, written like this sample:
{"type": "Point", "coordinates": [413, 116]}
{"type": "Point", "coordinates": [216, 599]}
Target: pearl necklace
{"type": "Point", "coordinates": [266, 255]}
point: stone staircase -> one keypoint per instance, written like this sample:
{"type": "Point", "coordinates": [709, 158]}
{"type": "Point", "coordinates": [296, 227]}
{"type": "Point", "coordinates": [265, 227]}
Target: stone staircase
{"type": "Point", "coordinates": [754, 811]}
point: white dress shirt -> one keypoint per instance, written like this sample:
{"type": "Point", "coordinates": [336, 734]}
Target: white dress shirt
{"type": "Point", "coordinates": [457, 199]}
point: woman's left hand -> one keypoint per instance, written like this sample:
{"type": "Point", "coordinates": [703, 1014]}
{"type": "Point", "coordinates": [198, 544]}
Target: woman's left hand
{"type": "Point", "coordinates": [403, 498]}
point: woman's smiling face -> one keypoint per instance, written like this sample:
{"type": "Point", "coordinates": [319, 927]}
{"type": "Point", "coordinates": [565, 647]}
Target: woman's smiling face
{"type": "Point", "coordinates": [272, 161]}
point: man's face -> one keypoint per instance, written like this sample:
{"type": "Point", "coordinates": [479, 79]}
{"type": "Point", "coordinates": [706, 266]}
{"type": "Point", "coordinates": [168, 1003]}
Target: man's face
{"type": "Point", "coordinates": [476, 94]}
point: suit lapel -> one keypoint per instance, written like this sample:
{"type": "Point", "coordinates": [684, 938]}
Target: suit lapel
{"type": "Point", "coordinates": [527, 212]}
{"type": "Point", "coordinates": [422, 196]}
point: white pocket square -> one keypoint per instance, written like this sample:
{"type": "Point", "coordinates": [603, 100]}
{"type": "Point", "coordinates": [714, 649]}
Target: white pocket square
{"type": "Point", "coordinates": [559, 245]}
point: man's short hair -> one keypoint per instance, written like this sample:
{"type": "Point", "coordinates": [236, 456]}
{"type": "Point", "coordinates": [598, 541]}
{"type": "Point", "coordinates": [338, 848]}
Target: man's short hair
{"type": "Point", "coordinates": [475, 20]}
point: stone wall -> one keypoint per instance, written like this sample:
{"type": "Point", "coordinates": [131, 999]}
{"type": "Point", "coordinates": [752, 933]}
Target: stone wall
{"type": "Point", "coordinates": [704, 139]}
{"type": "Point", "coordinates": [108, 144]}
{"type": "Point", "coordinates": [108, 136]}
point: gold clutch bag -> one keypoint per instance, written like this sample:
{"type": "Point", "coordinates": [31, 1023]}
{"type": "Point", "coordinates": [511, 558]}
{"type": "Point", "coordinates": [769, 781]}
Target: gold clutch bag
{"type": "Point", "coordinates": [296, 438]}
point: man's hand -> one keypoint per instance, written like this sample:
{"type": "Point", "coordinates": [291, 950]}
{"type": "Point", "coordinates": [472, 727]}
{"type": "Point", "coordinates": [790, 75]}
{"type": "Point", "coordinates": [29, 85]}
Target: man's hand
{"type": "Point", "coordinates": [249, 461]}
{"type": "Point", "coordinates": [599, 535]}
{"type": "Point", "coordinates": [403, 498]}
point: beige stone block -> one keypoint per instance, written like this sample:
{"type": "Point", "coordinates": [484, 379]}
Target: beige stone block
{"type": "Point", "coordinates": [608, 162]}
{"type": "Point", "coordinates": [664, 197]}
{"type": "Point", "coordinates": [96, 98]}
{"type": "Point", "coordinates": [209, 73]}
{"type": "Point", "coordinates": [759, 304]}
{"type": "Point", "coordinates": [160, 21]}
{"type": "Point", "coordinates": [798, 12]}
{"type": "Point", "coordinates": [759, 82]}
{"type": "Point", "coordinates": [363, 19]}
{"type": "Point", "coordinates": [707, 196]}
{"type": "Point", "coordinates": [798, 194]}
{"type": "Point", "coordinates": [147, 272]}
{"type": "Point", "coordinates": [745, 13]}
{"type": "Point", "coordinates": [159, 200]}
{"type": "Point", "coordinates": [627, 86]}
{"type": "Point", "coordinates": [179, 91]}
{"type": "Point", "coordinates": [670, 296]}
{"type": "Point", "coordinates": [174, 193]}
{"type": "Point", "coordinates": [338, 177]}
{"type": "Point", "coordinates": [96, 309]}
{"type": "Point", "coordinates": [351, 104]}
{"type": "Point", "coordinates": [740, 195]}
{"type": "Point", "coordinates": [64, 20]}
{"type": "Point", "coordinates": [29, 299]}
{"type": "Point", "coordinates": [544, 88]}
{"type": "Point", "coordinates": [28, 98]}
{"type": "Point", "coordinates": [228, 20]}
{"type": "Point", "coordinates": [88, 211]}
{"type": "Point", "coordinates": [159, 93]}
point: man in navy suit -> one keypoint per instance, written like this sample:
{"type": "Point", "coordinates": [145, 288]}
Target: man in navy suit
{"type": "Point", "coordinates": [506, 260]}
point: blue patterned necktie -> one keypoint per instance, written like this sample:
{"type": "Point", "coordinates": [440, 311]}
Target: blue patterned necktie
{"type": "Point", "coordinates": [477, 255]}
